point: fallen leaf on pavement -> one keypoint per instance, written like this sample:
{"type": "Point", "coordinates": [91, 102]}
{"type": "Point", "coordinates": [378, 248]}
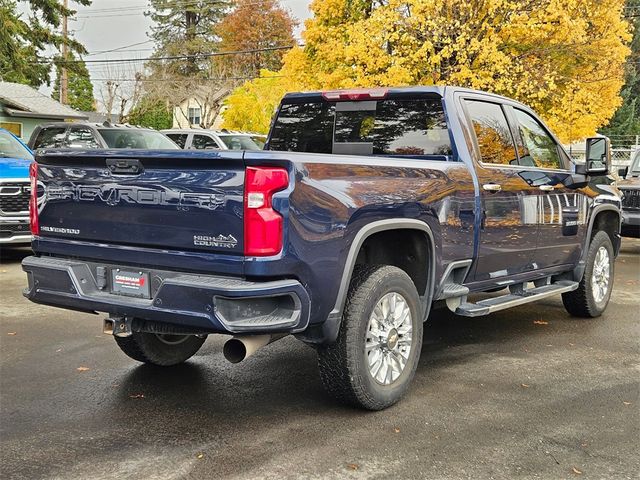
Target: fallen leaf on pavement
{"type": "Point", "coordinates": [540, 322]}
{"type": "Point", "coordinates": [82, 369]}
{"type": "Point", "coordinates": [352, 466]}
{"type": "Point", "coordinates": [11, 333]}
{"type": "Point", "coordinates": [137, 395]}
{"type": "Point", "coordinates": [576, 471]}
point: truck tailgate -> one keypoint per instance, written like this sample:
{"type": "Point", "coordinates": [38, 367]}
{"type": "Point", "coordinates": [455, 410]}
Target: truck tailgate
{"type": "Point", "coordinates": [174, 200]}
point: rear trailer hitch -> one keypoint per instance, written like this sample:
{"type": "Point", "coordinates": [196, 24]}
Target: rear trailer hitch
{"type": "Point", "coordinates": [118, 326]}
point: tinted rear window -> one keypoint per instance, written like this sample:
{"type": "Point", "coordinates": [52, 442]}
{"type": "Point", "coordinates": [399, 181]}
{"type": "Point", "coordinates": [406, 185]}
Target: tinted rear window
{"type": "Point", "coordinates": [50, 137]}
{"type": "Point", "coordinates": [304, 127]}
{"type": "Point", "coordinates": [415, 127]}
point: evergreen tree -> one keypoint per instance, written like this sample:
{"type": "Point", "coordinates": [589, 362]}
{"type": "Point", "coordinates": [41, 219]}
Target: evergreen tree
{"type": "Point", "coordinates": [80, 88]}
{"type": "Point", "coordinates": [24, 42]}
{"type": "Point", "coordinates": [185, 27]}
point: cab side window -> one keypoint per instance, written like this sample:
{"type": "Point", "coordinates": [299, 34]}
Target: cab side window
{"type": "Point", "coordinates": [52, 137]}
{"type": "Point", "coordinates": [81, 137]}
{"type": "Point", "coordinates": [202, 142]}
{"type": "Point", "coordinates": [492, 132]}
{"type": "Point", "coordinates": [538, 149]}
{"type": "Point", "coordinates": [179, 138]}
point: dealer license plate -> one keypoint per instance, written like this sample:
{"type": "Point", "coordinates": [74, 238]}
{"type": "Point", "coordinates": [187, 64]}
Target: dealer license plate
{"type": "Point", "coordinates": [134, 284]}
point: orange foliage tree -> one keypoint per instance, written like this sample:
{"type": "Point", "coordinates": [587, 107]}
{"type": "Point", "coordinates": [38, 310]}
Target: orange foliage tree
{"type": "Point", "coordinates": [256, 26]}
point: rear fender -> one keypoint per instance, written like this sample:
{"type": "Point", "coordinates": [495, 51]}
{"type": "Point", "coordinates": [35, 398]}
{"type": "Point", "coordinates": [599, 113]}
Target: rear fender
{"type": "Point", "coordinates": [331, 327]}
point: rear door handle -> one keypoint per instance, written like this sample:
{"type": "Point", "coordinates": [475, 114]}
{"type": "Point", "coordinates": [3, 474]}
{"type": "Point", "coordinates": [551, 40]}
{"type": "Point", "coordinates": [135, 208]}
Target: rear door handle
{"type": "Point", "coordinates": [492, 187]}
{"type": "Point", "coordinates": [546, 188]}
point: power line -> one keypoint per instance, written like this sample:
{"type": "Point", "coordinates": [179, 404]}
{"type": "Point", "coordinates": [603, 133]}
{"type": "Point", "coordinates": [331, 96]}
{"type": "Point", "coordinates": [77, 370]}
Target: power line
{"type": "Point", "coordinates": [118, 12]}
{"type": "Point", "coordinates": [185, 80]}
{"type": "Point", "coordinates": [170, 57]}
{"type": "Point", "coordinates": [166, 6]}
{"type": "Point", "coordinates": [119, 48]}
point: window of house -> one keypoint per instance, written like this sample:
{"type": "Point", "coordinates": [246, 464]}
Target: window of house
{"type": "Point", "coordinates": [13, 127]}
{"type": "Point", "coordinates": [540, 149]}
{"type": "Point", "coordinates": [492, 132]}
{"type": "Point", "coordinates": [194, 115]}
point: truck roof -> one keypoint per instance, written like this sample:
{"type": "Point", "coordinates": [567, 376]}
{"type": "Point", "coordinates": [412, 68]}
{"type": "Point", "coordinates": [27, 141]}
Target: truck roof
{"type": "Point", "coordinates": [105, 124]}
{"type": "Point", "coordinates": [439, 90]}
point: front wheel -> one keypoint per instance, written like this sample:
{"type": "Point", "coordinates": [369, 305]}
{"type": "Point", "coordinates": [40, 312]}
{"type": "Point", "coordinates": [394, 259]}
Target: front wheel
{"type": "Point", "coordinates": [160, 349]}
{"type": "Point", "coordinates": [375, 356]}
{"type": "Point", "coordinates": [592, 296]}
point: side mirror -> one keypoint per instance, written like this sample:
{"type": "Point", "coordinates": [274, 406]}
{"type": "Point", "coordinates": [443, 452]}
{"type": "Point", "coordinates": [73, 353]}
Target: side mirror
{"type": "Point", "coordinates": [598, 156]}
{"type": "Point", "coordinates": [623, 172]}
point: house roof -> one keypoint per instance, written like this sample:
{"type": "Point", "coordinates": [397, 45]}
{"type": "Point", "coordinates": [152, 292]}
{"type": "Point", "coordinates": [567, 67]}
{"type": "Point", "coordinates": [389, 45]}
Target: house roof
{"type": "Point", "coordinates": [95, 117]}
{"type": "Point", "coordinates": [23, 101]}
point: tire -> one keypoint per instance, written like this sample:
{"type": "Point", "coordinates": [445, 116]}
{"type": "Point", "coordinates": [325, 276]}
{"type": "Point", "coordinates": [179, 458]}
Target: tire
{"type": "Point", "coordinates": [160, 349]}
{"type": "Point", "coordinates": [589, 300]}
{"type": "Point", "coordinates": [344, 366]}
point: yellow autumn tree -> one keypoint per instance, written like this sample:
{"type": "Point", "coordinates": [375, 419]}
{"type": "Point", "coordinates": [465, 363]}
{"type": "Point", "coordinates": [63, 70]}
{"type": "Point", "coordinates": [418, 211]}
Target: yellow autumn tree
{"type": "Point", "coordinates": [250, 106]}
{"type": "Point", "coordinates": [564, 58]}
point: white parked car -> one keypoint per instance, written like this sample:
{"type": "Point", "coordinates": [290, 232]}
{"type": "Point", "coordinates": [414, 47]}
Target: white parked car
{"type": "Point", "coordinates": [200, 139]}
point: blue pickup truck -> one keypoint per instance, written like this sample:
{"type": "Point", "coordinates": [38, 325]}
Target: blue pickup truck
{"type": "Point", "coordinates": [15, 189]}
{"type": "Point", "coordinates": [365, 208]}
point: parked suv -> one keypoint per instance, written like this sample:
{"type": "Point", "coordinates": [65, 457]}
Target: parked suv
{"type": "Point", "coordinates": [630, 187]}
{"type": "Point", "coordinates": [88, 136]}
{"type": "Point", "coordinates": [190, 139]}
{"type": "Point", "coordinates": [15, 190]}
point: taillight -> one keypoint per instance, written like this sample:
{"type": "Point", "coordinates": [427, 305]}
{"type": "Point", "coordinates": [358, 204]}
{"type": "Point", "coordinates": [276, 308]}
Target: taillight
{"type": "Point", "coordinates": [262, 224]}
{"type": "Point", "coordinates": [356, 94]}
{"type": "Point", "coordinates": [33, 200]}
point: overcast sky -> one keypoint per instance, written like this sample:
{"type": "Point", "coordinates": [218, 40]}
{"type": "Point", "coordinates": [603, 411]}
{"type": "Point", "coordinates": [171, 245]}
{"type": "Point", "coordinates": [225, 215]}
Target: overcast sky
{"type": "Point", "coordinates": [112, 24]}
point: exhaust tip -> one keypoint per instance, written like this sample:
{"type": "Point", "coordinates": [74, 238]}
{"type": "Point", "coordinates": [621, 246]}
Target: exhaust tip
{"type": "Point", "coordinates": [234, 350]}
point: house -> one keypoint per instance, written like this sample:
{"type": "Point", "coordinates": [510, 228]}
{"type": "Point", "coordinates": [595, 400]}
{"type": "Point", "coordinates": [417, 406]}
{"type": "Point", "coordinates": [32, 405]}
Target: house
{"type": "Point", "coordinates": [22, 108]}
{"type": "Point", "coordinates": [202, 108]}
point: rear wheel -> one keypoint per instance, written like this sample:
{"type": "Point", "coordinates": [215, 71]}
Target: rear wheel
{"type": "Point", "coordinates": [160, 349]}
{"type": "Point", "coordinates": [592, 296]}
{"type": "Point", "coordinates": [375, 356]}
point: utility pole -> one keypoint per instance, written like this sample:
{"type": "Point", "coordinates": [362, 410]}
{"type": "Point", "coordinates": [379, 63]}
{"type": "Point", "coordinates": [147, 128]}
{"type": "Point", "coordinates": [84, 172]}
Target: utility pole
{"type": "Point", "coordinates": [64, 78]}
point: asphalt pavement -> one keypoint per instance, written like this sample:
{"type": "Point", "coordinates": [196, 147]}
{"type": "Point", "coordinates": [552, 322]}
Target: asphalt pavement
{"type": "Point", "coordinates": [525, 393]}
